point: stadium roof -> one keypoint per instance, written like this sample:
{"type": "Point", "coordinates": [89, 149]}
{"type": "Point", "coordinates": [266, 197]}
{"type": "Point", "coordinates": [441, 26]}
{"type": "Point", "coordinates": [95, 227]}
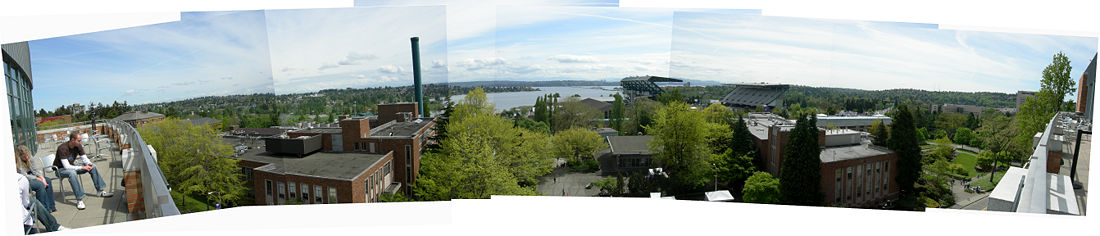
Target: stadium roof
{"type": "Point", "coordinates": [755, 94]}
{"type": "Point", "coordinates": [651, 78]}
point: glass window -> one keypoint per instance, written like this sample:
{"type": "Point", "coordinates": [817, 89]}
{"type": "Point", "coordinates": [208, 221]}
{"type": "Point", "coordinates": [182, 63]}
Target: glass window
{"type": "Point", "coordinates": [408, 155]}
{"type": "Point", "coordinates": [305, 193]}
{"type": "Point", "coordinates": [293, 189]}
{"type": "Point", "coordinates": [332, 195]}
{"type": "Point", "coordinates": [317, 194]}
{"type": "Point", "coordinates": [408, 175]}
{"type": "Point", "coordinates": [282, 191]}
{"type": "Point", "coordinates": [368, 186]}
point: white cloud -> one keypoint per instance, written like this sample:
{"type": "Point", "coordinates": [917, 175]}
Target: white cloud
{"type": "Point", "coordinates": [473, 64]}
{"type": "Point", "coordinates": [574, 59]}
{"type": "Point", "coordinates": [391, 69]}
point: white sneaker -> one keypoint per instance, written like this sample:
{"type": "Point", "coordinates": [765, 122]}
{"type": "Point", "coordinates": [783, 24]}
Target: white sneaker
{"type": "Point", "coordinates": [60, 228]}
{"type": "Point", "coordinates": [80, 205]}
{"type": "Point", "coordinates": [106, 194]}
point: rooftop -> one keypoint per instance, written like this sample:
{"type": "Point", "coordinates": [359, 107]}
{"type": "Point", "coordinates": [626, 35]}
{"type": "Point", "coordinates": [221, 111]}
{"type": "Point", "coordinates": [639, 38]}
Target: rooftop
{"type": "Point", "coordinates": [630, 144]}
{"type": "Point", "coordinates": [138, 115]}
{"type": "Point", "coordinates": [651, 78]}
{"type": "Point", "coordinates": [835, 154]}
{"type": "Point", "coordinates": [258, 131]}
{"type": "Point", "coordinates": [596, 104]}
{"type": "Point", "coordinates": [317, 131]}
{"type": "Point", "coordinates": [343, 166]}
{"type": "Point", "coordinates": [400, 129]}
{"type": "Point", "coordinates": [99, 210]}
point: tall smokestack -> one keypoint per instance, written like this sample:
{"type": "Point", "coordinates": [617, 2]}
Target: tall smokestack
{"type": "Point", "coordinates": [416, 76]}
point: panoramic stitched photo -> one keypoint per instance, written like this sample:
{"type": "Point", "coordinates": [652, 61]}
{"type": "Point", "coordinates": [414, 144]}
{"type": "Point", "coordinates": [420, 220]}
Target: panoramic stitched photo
{"type": "Point", "coordinates": [392, 103]}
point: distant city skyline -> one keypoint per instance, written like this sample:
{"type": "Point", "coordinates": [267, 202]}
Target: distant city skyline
{"type": "Point", "coordinates": [203, 54]}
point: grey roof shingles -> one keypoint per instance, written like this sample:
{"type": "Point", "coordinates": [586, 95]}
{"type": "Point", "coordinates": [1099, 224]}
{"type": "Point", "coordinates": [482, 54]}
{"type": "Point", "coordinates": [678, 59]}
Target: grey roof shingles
{"type": "Point", "coordinates": [629, 144]}
{"type": "Point", "coordinates": [342, 166]}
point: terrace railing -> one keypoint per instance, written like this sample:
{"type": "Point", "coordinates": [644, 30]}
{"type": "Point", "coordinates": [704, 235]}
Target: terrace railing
{"type": "Point", "coordinates": [156, 192]}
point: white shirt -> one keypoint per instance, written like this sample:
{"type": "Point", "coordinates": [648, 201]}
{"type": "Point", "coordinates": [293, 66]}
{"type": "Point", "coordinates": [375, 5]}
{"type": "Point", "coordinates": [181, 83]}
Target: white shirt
{"type": "Point", "coordinates": [69, 166]}
{"type": "Point", "coordinates": [24, 197]}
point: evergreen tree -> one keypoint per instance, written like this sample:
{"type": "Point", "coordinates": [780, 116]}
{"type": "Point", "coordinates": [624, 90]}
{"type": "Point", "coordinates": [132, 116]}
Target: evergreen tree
{"type": "Point", "coordinates": [903, 141]}
{"type": "Point", "coordinates": [878, 130]}
{"type": "Point", "coordinates": [618, 112]}
{"type": "Point", "coordinates": [800, 175]}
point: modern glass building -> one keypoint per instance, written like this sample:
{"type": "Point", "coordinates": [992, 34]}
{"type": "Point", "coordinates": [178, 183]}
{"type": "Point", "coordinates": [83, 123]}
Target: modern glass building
{"type": "Point", "coordinates": [17, 71]}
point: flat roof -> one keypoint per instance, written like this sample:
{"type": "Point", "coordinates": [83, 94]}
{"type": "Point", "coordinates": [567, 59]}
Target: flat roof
{"type": "Point", "coordinates": [844, 153]}
{"type": "Point", "coordinates": [629, 144]}
{"type": "Point", "coordinates": [342, 166]}
{"type": "Point", "coordinates": [316, 130]}
{"type": "Point", "coordinates": [404, 128]}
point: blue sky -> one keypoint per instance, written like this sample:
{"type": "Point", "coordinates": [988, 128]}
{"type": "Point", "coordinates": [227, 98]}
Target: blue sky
{"type": "Point", "coordinates": [866, 55]}
{"type": "Point", "coordinates": [203, 54]}
{"type": "Point", "coordinates": [317, 49]}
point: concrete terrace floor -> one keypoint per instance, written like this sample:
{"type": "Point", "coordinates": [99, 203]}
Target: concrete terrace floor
{"type": "Point", "coordinates": [1082, 168]}
{"type": "Point", "coordinates": [98, 210]}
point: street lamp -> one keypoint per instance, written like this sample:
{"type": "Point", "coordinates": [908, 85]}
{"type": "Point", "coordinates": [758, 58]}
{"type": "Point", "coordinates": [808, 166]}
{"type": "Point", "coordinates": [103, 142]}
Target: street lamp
{"type": "Point", "coordinates": [218, 207]}
{"type": "Point", "coordinates": [715, 176]}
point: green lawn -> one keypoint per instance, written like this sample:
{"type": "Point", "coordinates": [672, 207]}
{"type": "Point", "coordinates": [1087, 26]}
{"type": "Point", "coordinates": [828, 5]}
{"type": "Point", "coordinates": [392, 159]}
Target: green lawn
{"type": "Point", "coordinates": [967, 160]}
{"type": "Point", "coordinates": [193, 204]}
{"type": "Point", "coordinates": [984, 181]}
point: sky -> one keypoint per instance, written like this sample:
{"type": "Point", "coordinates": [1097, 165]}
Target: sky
{"type": "Point", "coordinates": [732, 48]}
{"type": "Point", "coordinates": [204, 54]}
{"type": "Point", "coordinates": [317, 49]}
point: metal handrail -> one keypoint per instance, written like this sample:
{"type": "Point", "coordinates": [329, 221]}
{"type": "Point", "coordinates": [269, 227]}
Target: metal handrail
{"type": "Point", "coordinates": [158, 197]}
{"type": "Point", "coordinates": [1035, 183]}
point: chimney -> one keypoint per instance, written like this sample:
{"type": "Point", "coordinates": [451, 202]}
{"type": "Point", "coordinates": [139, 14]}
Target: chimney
{"type": "Point", "coordinates": [416, 75]}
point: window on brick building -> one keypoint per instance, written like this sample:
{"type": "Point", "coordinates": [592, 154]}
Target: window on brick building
{"type": "Point", "coordinates": [305, 193]}
{"type": "Point", "coordinates": [332, 195]}
{"type": "Point", "coordinates": [318, 194]}
{"type": "Point", "coordinates": [290, 186]}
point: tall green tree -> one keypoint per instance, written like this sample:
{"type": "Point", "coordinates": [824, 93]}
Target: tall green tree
{"type": "Point", "coordinates": [677, 133]}
{"type": "Point", "coordinates": [618, 112]}
{"type": "Point", "coordinates": [880, 133]}
{"type": "Point", "coordinates": [541, 111]}
{"type": "Point", "coordinates": [573, 113]}
{"type": "Point", "coordinates": [903, 141]}
{"type": "Point", "coordinates": [641, 113]}
{"type": "Point", "coordinates": [1056, 79]}
{"type": "Point", "coordinates": [194, 159]}
{"type": "Point", "coordinates": [483, 155]}
{"type": "Point", "coordinates": [800, 175]}
{"type": "Point", "coordinates": [762, 187]}
{"type": "Point", "coordinates": [577, 144]}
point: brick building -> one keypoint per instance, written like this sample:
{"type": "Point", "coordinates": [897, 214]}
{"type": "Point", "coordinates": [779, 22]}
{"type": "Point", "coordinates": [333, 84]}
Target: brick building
{"type": "Point", "coordinates": [866, 172]}
{"type": "Point", "coordinates": [293, 171]}
{"type": "Point", "coordinates": [403, 133]}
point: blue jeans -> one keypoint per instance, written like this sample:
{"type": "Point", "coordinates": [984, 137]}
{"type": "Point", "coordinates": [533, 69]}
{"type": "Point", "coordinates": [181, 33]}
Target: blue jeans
{"type": "Point", "coordinates": [79, 190]}
{"type": "Point", "coordinates": [43, 192]}
{"type": "Point", "coordinates": [44, 217]}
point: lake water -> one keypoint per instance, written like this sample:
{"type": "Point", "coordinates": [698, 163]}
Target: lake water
{"type": "Point", "coordinates": [504, 101]}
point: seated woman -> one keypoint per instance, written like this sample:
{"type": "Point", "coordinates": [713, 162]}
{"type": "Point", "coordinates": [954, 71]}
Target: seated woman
{"type": "Point", "coordinates": [31, 205]}
{"type": "Point", "coordinates": [32, 169]}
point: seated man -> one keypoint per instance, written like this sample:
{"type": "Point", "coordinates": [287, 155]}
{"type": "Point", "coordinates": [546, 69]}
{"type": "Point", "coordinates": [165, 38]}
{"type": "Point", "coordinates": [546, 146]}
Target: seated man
{"type": "Point", "coordinates": [66, 154]}
{"type": "Point", "coordinates": [32, 205]}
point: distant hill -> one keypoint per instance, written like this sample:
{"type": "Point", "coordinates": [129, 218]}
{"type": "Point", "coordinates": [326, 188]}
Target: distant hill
{"type": "Point", "coordinates": [561, 83]}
